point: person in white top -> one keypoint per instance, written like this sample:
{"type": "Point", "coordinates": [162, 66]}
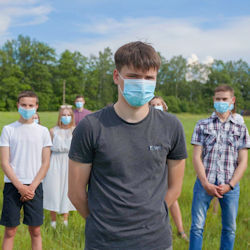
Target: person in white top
{"type": "Point", "coordinates": [25, 155]}
{"type": "Point", "coordinates": [56, 181]}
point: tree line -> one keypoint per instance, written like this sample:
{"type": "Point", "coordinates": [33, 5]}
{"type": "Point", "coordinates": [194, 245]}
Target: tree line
{"type": "Point", "coordinates": [26, 63]}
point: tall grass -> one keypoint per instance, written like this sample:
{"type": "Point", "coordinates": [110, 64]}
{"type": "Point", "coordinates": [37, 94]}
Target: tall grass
{"type": "Point", "coordinates": [72, 237]}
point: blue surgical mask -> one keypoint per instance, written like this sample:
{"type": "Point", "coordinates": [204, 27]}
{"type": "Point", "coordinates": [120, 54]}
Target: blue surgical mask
{"type": "Point", "coordinates": [36, 121]}
{"type": "Point", "coordinates": [160, 107]}
{"type": "Point", "coordinates": [231, 107]}
{"type": "Point", "coordinates": [79, 104]}
{"type": "Point", "coordinates": [221, 107]}
{"type": "Point", "coordinates": [26, 113]}
{"type": "Point", "coordinates": [66, 119]}
{"type": "Point", "coordinates": [138, 92]}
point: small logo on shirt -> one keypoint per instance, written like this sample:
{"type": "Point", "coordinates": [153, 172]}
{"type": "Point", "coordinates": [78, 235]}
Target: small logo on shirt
{"type": "Point", "coordinates": [155, 148]}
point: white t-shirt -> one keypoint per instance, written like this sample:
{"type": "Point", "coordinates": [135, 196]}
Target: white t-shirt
{"type": "Point", "coordinates": [26, 142]}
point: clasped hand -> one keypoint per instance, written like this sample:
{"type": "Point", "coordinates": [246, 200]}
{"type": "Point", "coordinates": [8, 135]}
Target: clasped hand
{"type": "Point", "coordinates": [26, 192]}
{"type": "Point", "coordinates": [217, 191]}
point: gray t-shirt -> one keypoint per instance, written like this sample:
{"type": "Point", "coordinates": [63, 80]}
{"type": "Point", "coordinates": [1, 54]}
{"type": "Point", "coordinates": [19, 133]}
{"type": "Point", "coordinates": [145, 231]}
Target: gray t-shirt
{"type": "Point", "coordinates": [128, 180]}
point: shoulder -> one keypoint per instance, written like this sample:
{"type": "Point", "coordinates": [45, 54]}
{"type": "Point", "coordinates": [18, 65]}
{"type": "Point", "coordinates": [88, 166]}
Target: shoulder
{"type": "Point", "coordinates": [238, 118]}
{"type": "Point", "coordinates": [11, 126]}
{"type": "Point", "coordinates": [165, 117]}
{"type": "Point", "coordinates": [92, 123]}
{"type": "Point", "coordinates": [96, 117]}
{"type": "Point", "coordinates": [167, 123]}
{"type": "Point", "coordinates": [87, 111]}
{"type": "Point", "coordinates": [204, 122]}
{"type": "Point", "coordinates": [42, 129]}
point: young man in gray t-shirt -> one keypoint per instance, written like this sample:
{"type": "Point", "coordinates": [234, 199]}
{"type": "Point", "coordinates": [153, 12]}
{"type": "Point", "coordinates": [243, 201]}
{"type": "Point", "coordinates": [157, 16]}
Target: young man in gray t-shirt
{"type": "Point", "coordinates": [120, 154]}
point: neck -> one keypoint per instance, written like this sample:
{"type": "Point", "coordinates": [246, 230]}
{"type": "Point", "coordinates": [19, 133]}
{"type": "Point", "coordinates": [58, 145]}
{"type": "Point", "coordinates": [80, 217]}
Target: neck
{"type": "Point", "coordinates": [224, 116]}
{"type": "Point", "coordinates": [65, 126]}
{"type": "Point", "coordinates": [129, 113]}
{"type": "Point", "coordinates": [21, 120]}
{"type": "Point", "coordinates": [80, 109]}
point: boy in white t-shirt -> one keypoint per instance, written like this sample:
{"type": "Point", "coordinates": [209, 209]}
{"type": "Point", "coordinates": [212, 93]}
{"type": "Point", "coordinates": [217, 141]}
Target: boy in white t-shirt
{"type": "Point", "coordinates": [25, 156]}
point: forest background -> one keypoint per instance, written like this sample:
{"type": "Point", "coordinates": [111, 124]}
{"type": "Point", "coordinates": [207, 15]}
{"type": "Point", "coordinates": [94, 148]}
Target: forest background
{"type": "Point", "coordinates": [26, 63]}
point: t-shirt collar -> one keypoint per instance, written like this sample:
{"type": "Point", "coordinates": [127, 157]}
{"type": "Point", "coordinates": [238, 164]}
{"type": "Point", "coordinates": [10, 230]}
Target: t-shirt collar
{"type": "Point", "coordinates": [230, 118]}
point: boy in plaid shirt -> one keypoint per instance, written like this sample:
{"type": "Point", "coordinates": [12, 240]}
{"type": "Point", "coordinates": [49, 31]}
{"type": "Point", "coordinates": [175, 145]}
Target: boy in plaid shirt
{"type": "Point", "coordinates": [220, 160]}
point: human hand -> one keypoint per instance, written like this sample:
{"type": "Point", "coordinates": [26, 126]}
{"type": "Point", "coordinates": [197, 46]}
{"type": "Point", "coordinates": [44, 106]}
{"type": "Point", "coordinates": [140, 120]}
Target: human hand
{"type": "Point", "coordinates": [223, 188]}
{"type": "Point", "coordinates": [27, 192]}
{"type": "Point", "coordinates": [213, 190]}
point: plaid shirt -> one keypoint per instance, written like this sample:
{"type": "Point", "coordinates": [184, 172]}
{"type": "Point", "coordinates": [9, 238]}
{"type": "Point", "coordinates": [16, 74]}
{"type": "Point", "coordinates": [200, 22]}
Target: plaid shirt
{"type": "Point", "coordinates": [220, 143]}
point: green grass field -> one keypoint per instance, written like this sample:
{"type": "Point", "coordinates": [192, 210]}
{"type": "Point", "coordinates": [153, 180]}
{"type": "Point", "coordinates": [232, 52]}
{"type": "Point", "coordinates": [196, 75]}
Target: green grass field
{"type": "Point", "coordinates": [73, 236]}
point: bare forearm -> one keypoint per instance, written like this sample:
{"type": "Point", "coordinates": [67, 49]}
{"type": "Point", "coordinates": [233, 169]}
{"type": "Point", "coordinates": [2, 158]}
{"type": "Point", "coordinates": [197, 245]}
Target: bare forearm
{"type": "Point", "coordinates": [78, 181]}
{"type": "Point", "coordinates": [198, 165]}
{"type": "Point", "coordinates": [81, 204]}
{"type": "Point", "coordinates": [175, 178]}
{"type": "Point", "coordinates": [171, 196]}
{"type": "Point", "coordinates": [200, 170]}
{"type": "Point", "coordinates": [239, 172]}
{"type": "Point", "coordinates": [40, 175]}
{"type": "Point", "coordinates": [8, 171]}
{"type": "Point", "coordinates": [43, 169]}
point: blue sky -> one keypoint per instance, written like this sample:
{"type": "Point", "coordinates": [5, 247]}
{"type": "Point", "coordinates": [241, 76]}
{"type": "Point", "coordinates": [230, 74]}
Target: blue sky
{"type": "Point", "coordinates": [206, 28]}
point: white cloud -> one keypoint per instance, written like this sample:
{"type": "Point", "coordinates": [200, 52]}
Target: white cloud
{"type": "Point", "coordinates": [209, 60]}
{"type": "Point", "coordinates": [21, 13]}
{"type": "Point", "coordinates": [229, 41]}
{"type": "Point", "coordinates": [193, 59]}
{"type": "Point", "coordinates": [197, 70]}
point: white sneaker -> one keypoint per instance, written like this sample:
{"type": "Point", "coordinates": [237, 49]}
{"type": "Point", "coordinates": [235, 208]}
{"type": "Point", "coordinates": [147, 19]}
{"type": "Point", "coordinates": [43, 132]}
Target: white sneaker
{"type": "Point", "coordinates": [53, 224]}
{"type": "Point", "coordinates": [65, 222]}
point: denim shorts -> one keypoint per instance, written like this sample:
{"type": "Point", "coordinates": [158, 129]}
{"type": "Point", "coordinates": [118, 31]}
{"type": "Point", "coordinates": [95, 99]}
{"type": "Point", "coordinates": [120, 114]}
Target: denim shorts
{"type": "Point", "coordinates": [33, 209]}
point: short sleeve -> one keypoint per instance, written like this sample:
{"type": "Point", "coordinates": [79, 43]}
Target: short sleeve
{"type": "Point", "coordinates": [5, 138]}
{"type": "Point", "coordinates": [178, 149]}
{"type": "Point", "coordinates": [244, 138]}
{"type": "Point", "coordinates": [46, 138]}
{"type": "Point", "coordinates": [82, 149]}
{"type": "Point", "coordinates": [197, 137]}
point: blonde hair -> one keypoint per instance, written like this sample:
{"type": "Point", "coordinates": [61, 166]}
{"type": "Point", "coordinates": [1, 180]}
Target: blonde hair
{"type": "Point", "coordinates": [164, 105]}
{"type": "Point", "coordinates": [59, 122]}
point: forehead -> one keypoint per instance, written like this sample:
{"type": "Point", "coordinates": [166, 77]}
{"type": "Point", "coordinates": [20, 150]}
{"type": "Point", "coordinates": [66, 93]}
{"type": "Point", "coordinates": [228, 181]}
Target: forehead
{"type": "Point", "coordinates": [223, 94]}
{"type": "Point", "coordinates": [132, 70]}
{"type": "Point", "coordinates": [27, 100]}
{"type": "Point", "coordinates": [35, 116]}
{"type": "Point", "coordinates": [79, 99]}
{"type": "Point", "coordinates": [156, 101]}
{"type": "Point", "coordinates": [66, 112]}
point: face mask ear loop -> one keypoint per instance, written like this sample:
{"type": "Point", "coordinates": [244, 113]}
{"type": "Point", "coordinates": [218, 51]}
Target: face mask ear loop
{"type": "Point", "coordinates": [120, 89]}
{"type": "Point", "coordinates": [120, 75]}
{"type": "Point", "coordinates": [119, 84]}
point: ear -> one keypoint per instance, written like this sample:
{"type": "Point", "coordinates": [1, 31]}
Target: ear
{"type": "Point", "coordinates": [116, 76]}
{"type": "Point", "coordinates": [233, 99]}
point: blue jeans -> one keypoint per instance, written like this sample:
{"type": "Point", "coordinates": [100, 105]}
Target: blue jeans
{"type": "Point", "coordinates": [229, 208]}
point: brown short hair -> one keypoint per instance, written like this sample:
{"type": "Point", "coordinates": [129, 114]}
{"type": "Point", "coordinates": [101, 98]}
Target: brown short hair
{"type": "Point", "coordinates": [224, 88]}
{"type": "Point", "coordinates": [79, 96]}
{"type": "Point", "coordinates": [27, 93]}
{"type": "Point", "coordinates": [138, 55]}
